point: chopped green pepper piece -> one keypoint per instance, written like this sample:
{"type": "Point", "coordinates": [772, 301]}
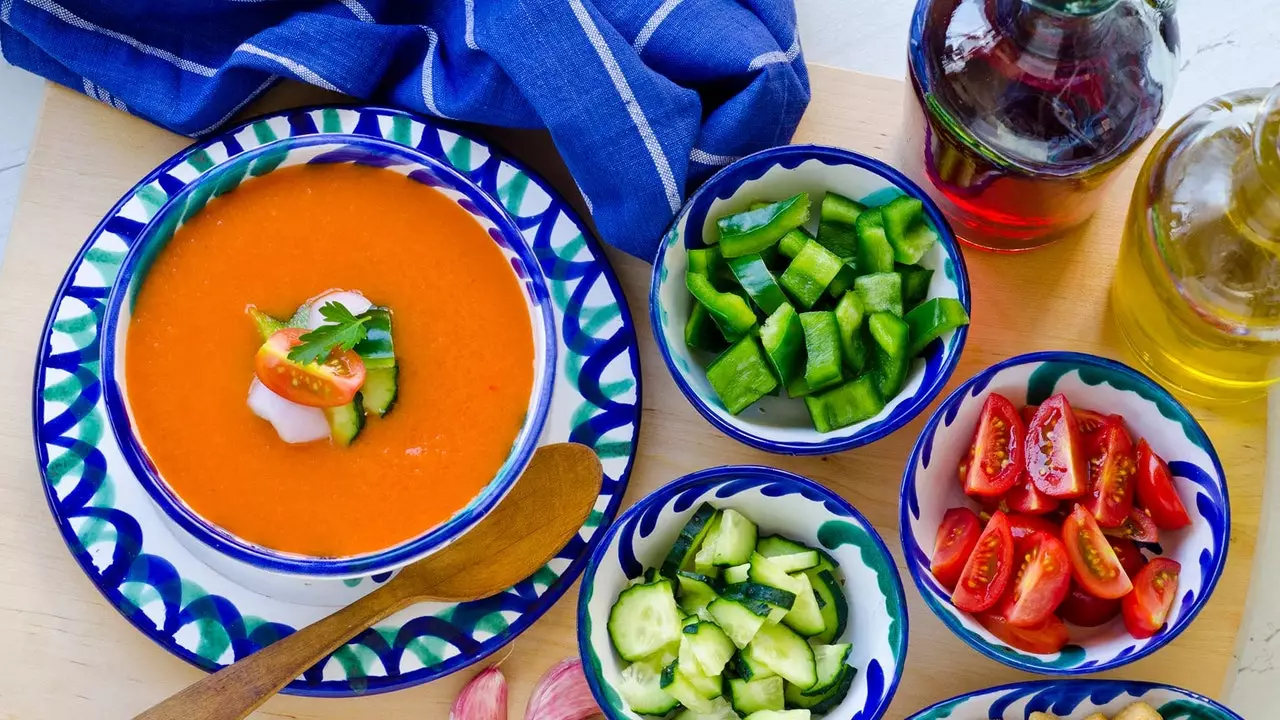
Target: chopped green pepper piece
{"type": "Point", "coordinates": [754, 277]}
{"type": "Point", "coordinates": [783, 338]}
{"type": "Point", "coordinates": [731, 313]}
{"type": "Point", "coordinates": [880, 292]}
{"type": "Point", "coordinates": [874, 252]}
{"type": "Point", "coordinates": [835, 229]}
{"type": "Point", "coordinates": [809, 274]}
{"type": "Point", "coordinates": [754, 230]}
{"type": "Point", "coordinates": [706, 261]}
{"type": "Point", "coordinates": [915, 284]}
{"type": "Point", "coordinates": [757, 204]}
{"type": "Point", "coordinates": [853, 350]}
{"type": "Point", "coordinates": [845, 404]}
{"type": "Point", "coordinates": [822, 346]}
{"type": "Point", "coordinates": [798, 387]}
{"type": "Point", "coordinates": [793, 242]}
{"type": "Point", "coordinates": [840, 209]}
{"type": "Point", "coordinates": [741, 375]}
{"type": "Point", "coordinates": [843, 280]}
{"type": "Point", "coordinates": [701, 333]}
{"type": "Point", "coordinates": [931, 320]}
{"type": "Point", "coordinates": [907, 230]}
{"type": "Point", "coordinates": [891, 358]}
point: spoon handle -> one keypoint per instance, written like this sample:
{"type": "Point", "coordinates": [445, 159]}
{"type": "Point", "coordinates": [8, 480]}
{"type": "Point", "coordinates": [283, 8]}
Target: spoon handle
{"type": "Point", "coordinates": [236, 690]}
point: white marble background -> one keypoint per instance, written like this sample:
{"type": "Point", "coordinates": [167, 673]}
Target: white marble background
{"type": "Point", "coordinates": [1226, 45]}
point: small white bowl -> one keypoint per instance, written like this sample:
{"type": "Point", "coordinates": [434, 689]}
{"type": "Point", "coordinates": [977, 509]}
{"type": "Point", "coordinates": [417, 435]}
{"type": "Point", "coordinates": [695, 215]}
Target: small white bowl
{"type": "Point", "coordinates": [783, 504]}
{"type": "Point", "coordinates": [1075, 700]}
{"type": "Point", "coordinates": [930, 488]}
{"type": "Point", "coordinates": [776, 424]}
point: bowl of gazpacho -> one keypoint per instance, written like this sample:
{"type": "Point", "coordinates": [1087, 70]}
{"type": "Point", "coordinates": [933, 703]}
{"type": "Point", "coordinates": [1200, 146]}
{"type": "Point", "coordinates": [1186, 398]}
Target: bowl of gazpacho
{"type": "Point", "coordinates": [329, 356]}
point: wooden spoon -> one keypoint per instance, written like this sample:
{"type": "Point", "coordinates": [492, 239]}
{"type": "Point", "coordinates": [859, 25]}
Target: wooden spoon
{"type": "Point", "coordinates": [542, 512]}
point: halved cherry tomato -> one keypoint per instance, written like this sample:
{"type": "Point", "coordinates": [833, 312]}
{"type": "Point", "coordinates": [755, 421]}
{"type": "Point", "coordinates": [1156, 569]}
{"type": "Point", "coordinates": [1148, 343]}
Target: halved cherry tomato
{"type": "Point", "coordinates": [1111, 473]}
{"type": "Point", "coordinates": [1040, 583]}
{"type": "Point", "coordinates": [1021, 526]}
{"type": "Point", "coordinates": [1091, 422]}
{"type": "Point", "coordinates": [1028, 413]}
{"type": "Point", "coordinates": [1024, 497]}
{"type": "Point", "coordinates": [986, 572]}
{"type": "Point", "coordinates": [957, 536]}
{"type": "Point", "coordinates": [1055, 452]}
{"type": "Point", "coordinates": [1130, 557]}
{"type": "Point", "coordinates": [329, 384]}
{"type": "Point", "coordinates": [1156, 491]}
{"type": "Point", "coordinates": [965, 462]}
{"type": "Point", "coordinates": [1138, 527]}
{"type": "Point", "coordinates": [1081, 608]}
{"type": "Point", "coordinates": [1044, 639]}
{"type": "Point", "coordinates": [1146, 609]}
{"type": "Point", "coordinates": [997, 449]}
{"type": "Point", "coordinates": [1093, 562]}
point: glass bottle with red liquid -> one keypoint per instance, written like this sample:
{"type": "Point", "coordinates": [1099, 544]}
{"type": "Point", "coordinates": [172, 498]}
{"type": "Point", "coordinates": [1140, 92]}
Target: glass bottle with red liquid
{"type": "Point", "coordinates": [1021, 111]}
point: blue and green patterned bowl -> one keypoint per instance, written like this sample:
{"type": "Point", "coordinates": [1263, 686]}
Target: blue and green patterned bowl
{"type": "Point", "coordinates": [930, 488]}
{"type": "Point", "coordinates": [1075, 700]}
{"type": "Point", "coordinates": [777, 424]}
{"type": "Point", "coordinates": [784, 504]}
{"type": "Point", "coordinates": [321, 149]}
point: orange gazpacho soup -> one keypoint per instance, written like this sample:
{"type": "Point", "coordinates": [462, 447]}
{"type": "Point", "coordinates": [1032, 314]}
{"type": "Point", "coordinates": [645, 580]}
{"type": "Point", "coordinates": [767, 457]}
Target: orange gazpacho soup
{"type": "Point", "coordinates": [463, 346]}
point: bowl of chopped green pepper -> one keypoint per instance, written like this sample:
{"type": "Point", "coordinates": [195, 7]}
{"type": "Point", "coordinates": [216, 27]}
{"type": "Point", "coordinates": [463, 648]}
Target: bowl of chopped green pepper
{"type": "Point", "coordinates": [808, 300]}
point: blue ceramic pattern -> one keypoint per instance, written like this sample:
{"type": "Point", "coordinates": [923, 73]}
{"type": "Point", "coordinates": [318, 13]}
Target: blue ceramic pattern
{"type": "Point", "coordinates": [940, 358]}
{"type": "Point", "coordinates": [1211, 513]}
{"type": "Point", "coordinates": [1074, 699]}
{"type": "Point", "coordinates": [89, 486]}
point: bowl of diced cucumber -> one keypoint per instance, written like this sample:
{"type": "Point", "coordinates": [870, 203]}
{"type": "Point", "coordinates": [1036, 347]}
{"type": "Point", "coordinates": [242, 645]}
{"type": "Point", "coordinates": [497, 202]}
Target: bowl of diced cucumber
{"type": "Point", "coordinates": [742, 592]}
{"type": "Point", "coordinates": [809, 299]}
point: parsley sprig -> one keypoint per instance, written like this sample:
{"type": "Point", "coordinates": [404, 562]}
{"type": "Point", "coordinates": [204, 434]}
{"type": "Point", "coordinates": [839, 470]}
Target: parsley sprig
{"type": "Point", "coordinates": [341, 332]}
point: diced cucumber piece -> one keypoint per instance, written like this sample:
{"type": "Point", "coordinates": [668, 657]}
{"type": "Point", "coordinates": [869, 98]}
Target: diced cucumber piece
{"type": "Point", "coordinates": [782, 336]}
{"type": "Point", "coordinates": [809, 274]}
{"type": "Point", "coordinates": [702, 560]}
{"type": "Point", "coordinates": [875, 255]}
{"type": "Point", "coordinates": [346, 421]}
{"type": "Point", "coordinates": [696, 591]}
{"type": "Point", "coordinates": [736, 574]}
{"type": "Point", "coordinates": [644, 620]}
{"type": "Point", "coordinates": [680, 557]}
{"type": "Point", "coordinates": [823, 366]}
{"type": "Point", "coordinates": [828, 700]}
{"type": "Point", "coordinates": [845, 404]}
{"type": "Point", "coordinates": [880, 292]}
{"type": "Point", "coordinates": [915, 284]}
{"type": "Point", "coordinates": [805, 616]}
{"type": "Point", "coordinates": [889, 332]}
{"type": "Point", "coordinates": [689, 686]}
{"type": "Point", "coordinates": [775, 545]}
{"type": "Point", "coordinates": [640, 686]}
{"type": "Point", "coordinates": [720, 710]}
{"type": "Point", "coordinates": [754, 230]}
{"type": "Point", "coordinates": [701, 332]}
{"type": "Point", "coordinates": [907, 229]}
{"type": "Point", "coordinates": [732, 314]}
{"type": "Point", "coordinates": [741, 375]}
{"type": "Point", "coordinates": [377, 349]}
{"type": "Point", "coordinates": [779, 715]}
{"type": "Point", "coordinates": [754, 277]}
{"type": "Point", "coordinates": [777, 597]}
{"type": "Point", "coordinates": [740, 619]}
{"type": "Point", "coordinates": [735, 539]}
{"type": "Point", "coordinates": [933, 319]}
{"type": "Point", "coordinates": [795, 562]}
{"type": "Point", "coordinates": [765, 572]}
{"type": "Point", "coordinates": [748, 696]}
{"type": "Point", "coordinates": [711, 647]}
{"type": "Point", "coordinates": [786, 653]}
{"type": "Point", "coordinates": [380, 389]}
{"type": "Point", "coordinates": [833, 604]}
{"type": "Point", "coordinates": [831, 660]}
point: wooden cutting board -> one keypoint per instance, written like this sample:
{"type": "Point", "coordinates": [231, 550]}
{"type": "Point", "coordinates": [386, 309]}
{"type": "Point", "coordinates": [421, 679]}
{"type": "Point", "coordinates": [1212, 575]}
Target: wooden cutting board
{"type": "Point", "coordinates": [67, 653]}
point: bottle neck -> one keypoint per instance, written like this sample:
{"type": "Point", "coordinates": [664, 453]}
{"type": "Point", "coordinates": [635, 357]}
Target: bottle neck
{"type": "Point", "coordinates": [1257, 178]}
{"type": "Point", "coordinates": [1059, 29]}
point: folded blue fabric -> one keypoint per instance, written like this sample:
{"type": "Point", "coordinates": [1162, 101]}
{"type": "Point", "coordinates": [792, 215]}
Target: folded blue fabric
{"type": "Point", "coordinates": [644, 98]}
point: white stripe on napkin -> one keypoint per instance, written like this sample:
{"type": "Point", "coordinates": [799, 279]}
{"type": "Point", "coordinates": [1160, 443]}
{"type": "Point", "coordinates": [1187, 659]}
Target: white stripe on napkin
{"type": "Point", "coordinates": [252, 95]}
{"type": "Point", "coordinates": [776, 56]}
{"type": "Point", "coordinates": [705, 158]}
{"type": "Point", "coordinates": [651, 25]}
{"type": "Point", "coordinates": [358, 10]}
{"type": "Point", "coordinates": [76, 21]}
{"type": "Point", "coordinates": [293, 66]}
{"type": "Point", "coordinates": [620, 84]}
{"type": "Point", "coordinates": [469, 34]}
{"type": "Point", "coordinates": [6, 7]}
{"type": "Point", "coordinates": [428, 85]}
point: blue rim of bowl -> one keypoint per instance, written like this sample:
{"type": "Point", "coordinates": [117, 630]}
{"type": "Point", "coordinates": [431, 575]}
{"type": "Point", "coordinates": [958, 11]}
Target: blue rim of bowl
{"type": "Point", "coordinates": [909, 477]}
{"type": "Point", "coordinates": [1036, 685]}
{"type": "Point", "coordinates": [144, 624]}
{"type": "Point", "coordinates": [906, 411]}
{"type": "Point", "coordinates": [231, 545]}
{"type": "Point", "coordinates": [711, 477]}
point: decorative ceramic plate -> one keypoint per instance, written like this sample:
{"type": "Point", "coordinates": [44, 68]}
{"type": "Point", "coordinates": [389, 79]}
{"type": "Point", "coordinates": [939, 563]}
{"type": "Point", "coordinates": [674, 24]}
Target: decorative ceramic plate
{"type": "Point", "coordinates": [1075, 700]}
{"type": "Point", "coordinates": [210, 610]}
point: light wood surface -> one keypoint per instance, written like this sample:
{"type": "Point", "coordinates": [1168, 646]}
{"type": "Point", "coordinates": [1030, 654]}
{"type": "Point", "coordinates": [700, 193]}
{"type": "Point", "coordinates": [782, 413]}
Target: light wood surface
{"type": "Point", "coordinates": [68, 654]}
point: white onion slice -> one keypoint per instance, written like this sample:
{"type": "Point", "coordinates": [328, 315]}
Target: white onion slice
{"type": "Point", "coordinates": [351, 300]}
{"type": "Point", "coordinates": [294, 423]}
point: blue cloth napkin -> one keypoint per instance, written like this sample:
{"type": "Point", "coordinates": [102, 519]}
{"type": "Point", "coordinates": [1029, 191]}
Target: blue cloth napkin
{"type": "Point", "coordinates": [644, 98]}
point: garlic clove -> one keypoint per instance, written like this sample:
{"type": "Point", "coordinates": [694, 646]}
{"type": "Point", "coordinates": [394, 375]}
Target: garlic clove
{"type": "Point", "coordinates": [562, 694]}
{"type": "Point", "coordinates": [483, 698]}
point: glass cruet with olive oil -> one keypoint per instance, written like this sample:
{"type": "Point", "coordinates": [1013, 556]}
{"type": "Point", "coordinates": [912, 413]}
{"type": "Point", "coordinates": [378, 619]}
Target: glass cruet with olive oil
{"type": "Point", "coordinates": [1197, 287]}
